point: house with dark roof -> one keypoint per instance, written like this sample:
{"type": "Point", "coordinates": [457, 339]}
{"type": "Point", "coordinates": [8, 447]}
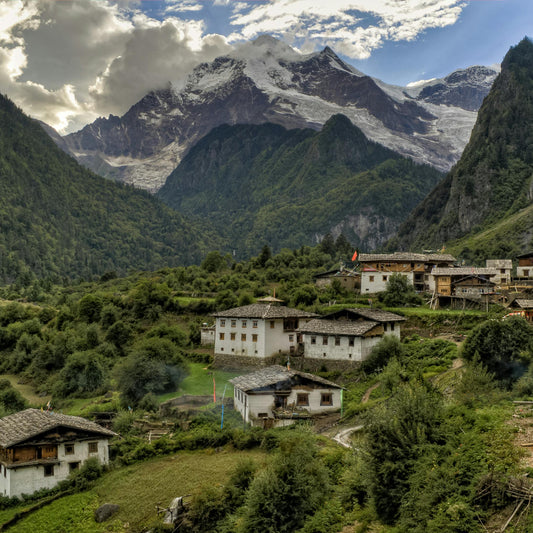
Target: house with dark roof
{"type": "Point", "coordinates": [376, 269]}
{"type": "Point", "coordinates": [278, 396]}
{"type": "Point", "coordinates": [464, 281]}
{"type": "Point", "coordinates": [524, 270]}
{"type": "Point", "coordinates": [347, 335]}
{"type": "Point", "coordinates": [522, 307]}
{"type": "Point", "coordinates": [38, 449]}
{"type": "Point", "coordinates": [259, 330]}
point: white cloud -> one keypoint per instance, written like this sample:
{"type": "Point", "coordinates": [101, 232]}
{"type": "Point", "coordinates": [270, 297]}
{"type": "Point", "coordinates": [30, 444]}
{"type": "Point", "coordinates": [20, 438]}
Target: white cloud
{"type": "Point", "coordinates": [336, 22]}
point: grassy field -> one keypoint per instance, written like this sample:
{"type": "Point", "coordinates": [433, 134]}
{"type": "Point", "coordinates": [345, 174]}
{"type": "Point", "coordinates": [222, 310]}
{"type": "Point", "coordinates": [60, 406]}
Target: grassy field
{"type": "Point", "coordinates": [137, 489]}
{"type": "Point", "coordinates": [199, 382]}
{"type": "Point", "coordinates": [26, 390]}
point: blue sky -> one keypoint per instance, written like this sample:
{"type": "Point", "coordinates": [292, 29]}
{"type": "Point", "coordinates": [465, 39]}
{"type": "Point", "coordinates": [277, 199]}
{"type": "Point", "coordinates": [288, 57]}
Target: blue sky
{"type": "Point", "coordinates": [69, 61]}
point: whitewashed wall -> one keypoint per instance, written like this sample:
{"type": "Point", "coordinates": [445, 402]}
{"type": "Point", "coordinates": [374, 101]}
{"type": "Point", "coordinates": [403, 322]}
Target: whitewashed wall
{"type": "Point", "coordinates": [380, 280]}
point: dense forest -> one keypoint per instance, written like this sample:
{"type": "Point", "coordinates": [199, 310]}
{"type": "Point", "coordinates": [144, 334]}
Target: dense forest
{"type": "Point", "coordinates": [58, 220]}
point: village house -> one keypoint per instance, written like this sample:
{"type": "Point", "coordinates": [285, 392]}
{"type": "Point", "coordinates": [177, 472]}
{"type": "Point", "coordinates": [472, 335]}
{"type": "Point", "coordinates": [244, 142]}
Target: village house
{"type": "Point", "coordinates": [277, 396]}
{"type": "Point", "coordinates": [503, 267]}
{"type": "Point", "coordinates": [524, 270]}
{"type": "Point", "coordinates": [38, 449]}
{"type": "Point", "coordinates": [376, 269]}
{"type": "Point", "coordinates": [522, 307]}
{"type": "Point", "coordinates": [347, 335]}
{"type": "Point", "coordinates": [464, 281]}
{"type": "Point", "coordinates": [347, 279]}
{"type": "Point", "coordinates": [259, 330]}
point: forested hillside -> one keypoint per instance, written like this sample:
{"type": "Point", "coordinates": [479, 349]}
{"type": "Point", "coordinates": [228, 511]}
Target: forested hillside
{"type": "Point", "coordinates": [494, 177]}
{"type": "Point", "coordinates": [59, 220]}
{"type": "Point", "coordinates": [264, 184]}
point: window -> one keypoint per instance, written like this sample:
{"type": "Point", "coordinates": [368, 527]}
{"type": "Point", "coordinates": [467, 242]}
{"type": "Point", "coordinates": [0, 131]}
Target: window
{"type": "Point", "coordinates": [73, 466]}
{"type": "Point", "coordinates": [325, 340]}
{"type": "Point", "coordinates": [221, 336]}
{"type": "Point", "coordinates": [69, 449]}
{"type": "Point", "coordinates": [302, 398]}
{"type": "Point", "coordinates": [232, 336]}
{"type": "Point", "coordinates": [384, 278]}
{"type": "Point", "coordinates": [385, 327]}
{"type": "Point", "coordinates": [254, 337]}
{"type": "Point", "coordinates": [93, 447]}
{"type": "Point", "coordinates": [392, 327]}
{"type": "Point", "coordinates": [48, 470]}
{"type": "Point", "coordinates": [233, 323]}
{"type": "Point", "coordinates": [272, 324]}
{"type": "Point", "coordinates": [291, 338]}
{"type": "Point", "coordinates": [290, 324]}
{"type": "Point", "coordinates": [371, 278]}
{"type": "Point", "coordinates": [244, 323]}
{"type": "Point", "coordinates": [326, 398]}
{"type": "Point", "coordinates": [351, 341]}
{"type": "Point", "coordinates": [313, 339]}
{"type": "Point", "coordinates": [243, 336]}
{"type": "Point", "coordinates": [254, 323]}
{"type": "Point", "coordinates": [222, 323]}
{"type": "Point", "coordinates": [337, 341]}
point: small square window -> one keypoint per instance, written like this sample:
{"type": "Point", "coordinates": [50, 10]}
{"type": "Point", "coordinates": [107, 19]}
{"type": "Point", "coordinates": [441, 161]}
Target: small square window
{"type": "Point", "coordinates": [325, 340]}
{"type": "Point", "coordinates": [254, 324]}
{"type": "Point", "coordinates": [313, 340]}
{"type": "Point", "coordinates": [93, 447]}
{"type": "Point", "coordinates": [243, 336]}
{"type": "Point", "coordinates": [222, 323]}
{"type": "Point", "coordinates": [244, 323]}
{"type": "Point", "coordinates": [232, 336]}
{"type": "Point", "coordinates": [351, 341]}
{"type": "Point", "coordinates": [326, 398]}
{"type": "Point", "coordinates": [302, 399]}
{"type": "Point", "coordinates": [384, 278]}
{"type": "Point", "coordinates": [291, 338]}
{"type": "Point", "coordinates": [337, 341]}
{"type": "Point", "coordinates": [221, 336]}
{"type": "Point", "coordinates": [254, 338]}
{"type": "Point", "coordinates": [48, 470]}
{"type": "Point", "coordinates": [233, 323]}
{"type": "Point", "coordinates": [272, 324]}
{"type": "Point", "coordinates": [371, 278]}
{"type": "Point", "coordinates": [69, 449]}
{"type": "Point", "coordinates": [73, 466]}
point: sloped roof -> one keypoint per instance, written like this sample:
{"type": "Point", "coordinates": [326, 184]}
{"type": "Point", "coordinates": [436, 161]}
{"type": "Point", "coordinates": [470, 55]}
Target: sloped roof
{"type": "Point", "coordinates": [338, 327]}
{"type": "Point", "coordinates": [23, 425]}
{"type": "Point", "coordinates": [526, 255]}
{"type": "Point", "coordinates": [464, 271]}
{"type": "Point", "coordinates": [522, 303]}
{"type": "Point", "coordinates": [407, 256]}
{"type": "Point", "coordinates": [271, 375]}
{"type": "Point", "coordinates": [376, 315]}
{"type": "Point", "coordinates": [499, 263]}
{"type": "Point", "coordinates": [264, 311]}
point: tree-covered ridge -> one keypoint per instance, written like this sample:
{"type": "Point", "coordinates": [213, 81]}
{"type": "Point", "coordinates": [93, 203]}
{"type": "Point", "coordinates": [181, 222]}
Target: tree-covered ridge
{"type": "Point", "coordinates": [264, 184]}
{"type": "Point", "coordinates": [59, 220]}
{"type": "Point", "coordinates": [493, 178]}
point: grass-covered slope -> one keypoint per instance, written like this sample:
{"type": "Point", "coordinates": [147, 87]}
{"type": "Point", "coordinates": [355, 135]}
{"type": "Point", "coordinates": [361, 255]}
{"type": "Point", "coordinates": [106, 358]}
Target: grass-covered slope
{"type": "Point", "coordinates": [493, 180]}
{"type": "Point", "coordinates": [59, 220]}
{"type": "Point", "coordinates": [262, 184]}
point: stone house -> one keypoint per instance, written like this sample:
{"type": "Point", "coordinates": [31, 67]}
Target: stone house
{"type": "Point", "coordinates": [376, 269]}
{"type": "Point", "coordinates": [257, 331]}
{"type": "Point", "coordinates": [504, 268]}
{"type": "Point", "coordinates": [348, 279]}
{"type": "Point", "coordinates": [464, 281]}
{"type": "Point", "coordinates": [347, 335]}
{"type": "Point", "coordinates": [524, 270]}
{"type": "Point", "coordinates": [277, 396]}
{"type": "Point", "coordinates": [38, 449]}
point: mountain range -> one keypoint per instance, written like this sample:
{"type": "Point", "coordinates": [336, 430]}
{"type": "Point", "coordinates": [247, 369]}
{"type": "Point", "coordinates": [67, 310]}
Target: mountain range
{"type": "Point", "coordinates": [492, 183]}
{"type": "Point", "coordinates": [264, 184]}
{"type": "Point", "coordinates": [267, 81]}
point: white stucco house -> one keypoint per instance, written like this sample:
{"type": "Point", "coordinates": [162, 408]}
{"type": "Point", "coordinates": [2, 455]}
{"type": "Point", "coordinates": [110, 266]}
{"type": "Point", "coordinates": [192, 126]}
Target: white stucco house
{"type": "Point", "coordinates": [348, 334]}
{"type": "Point", "coordinates": [504, 268]}
{"type": "Point", "coordinates": [38, 449]}
{"type": "Point", "coordinates": [258, 330]}
{"type": "Point", "coordinates": [277, 396]}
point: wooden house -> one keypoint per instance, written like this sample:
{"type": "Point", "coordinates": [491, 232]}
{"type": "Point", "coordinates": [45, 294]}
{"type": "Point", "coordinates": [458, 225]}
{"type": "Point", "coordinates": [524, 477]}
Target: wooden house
{"type": "Point", "coordinates": [524, 270]}
{"type": "Point", "coordinates": [278, 396]}
{"type": "Point", "coordinates": [376, 269]}
{"type": "Point", "coordinates": [523, 308]}
{"type": "Point", "coordinates": [464, 281]}
{"type": "Point", "coordinates": [38, 449]}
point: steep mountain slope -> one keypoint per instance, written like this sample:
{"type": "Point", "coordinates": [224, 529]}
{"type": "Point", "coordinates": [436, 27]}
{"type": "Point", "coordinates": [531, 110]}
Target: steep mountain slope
{"type": "Point", "coordinates": [264, 184]}
{"type": "Point", "coordinates": [59, 220]}
{"type": "Point", "coordinates": [494, 177]}
{"type": "Point", "coordinates": [267, 81]}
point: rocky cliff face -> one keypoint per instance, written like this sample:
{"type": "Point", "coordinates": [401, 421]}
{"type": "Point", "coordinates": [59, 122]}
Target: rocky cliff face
{"type": "Point", "coordinates": [267, 81]}
{"type": "Point", "coordinates": [492, 179]}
